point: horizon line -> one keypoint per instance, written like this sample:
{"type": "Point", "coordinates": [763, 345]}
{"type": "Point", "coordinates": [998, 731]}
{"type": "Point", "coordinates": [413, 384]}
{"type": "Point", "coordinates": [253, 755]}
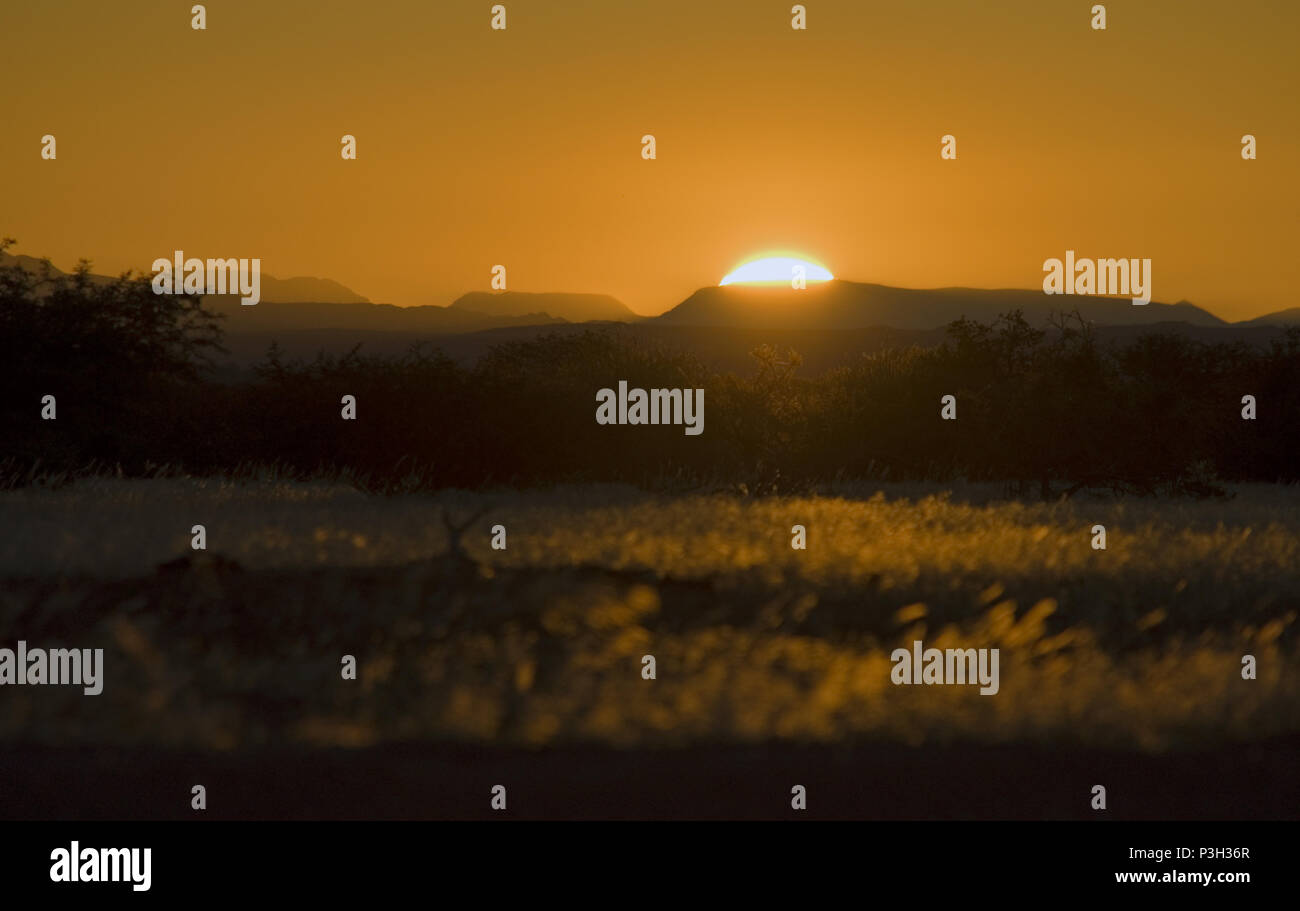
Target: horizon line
{"type": "Point", "coordinates": [760, 286]}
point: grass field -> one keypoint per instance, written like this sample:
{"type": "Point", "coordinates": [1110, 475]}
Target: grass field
{"type": "Point", "coordinates": [1137, 647]}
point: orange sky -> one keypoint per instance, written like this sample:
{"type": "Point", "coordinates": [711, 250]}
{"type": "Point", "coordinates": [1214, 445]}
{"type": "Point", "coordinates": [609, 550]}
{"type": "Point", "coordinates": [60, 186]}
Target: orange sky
{"type": "Point", "coordinates": [522, 147]}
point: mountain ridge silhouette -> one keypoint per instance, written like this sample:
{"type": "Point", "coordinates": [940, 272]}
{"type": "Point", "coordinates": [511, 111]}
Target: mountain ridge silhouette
{"type": "Point", "coordinates": [575, 308]}
{"type": "Point", "coordinates": [309, 303]}
{"type": "Point", "coordinates": [842, 304]}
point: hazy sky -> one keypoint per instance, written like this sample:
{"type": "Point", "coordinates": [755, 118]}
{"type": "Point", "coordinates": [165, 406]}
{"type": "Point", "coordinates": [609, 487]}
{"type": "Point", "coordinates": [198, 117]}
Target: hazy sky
{"type": "Point", "coordinates": [522, 147]}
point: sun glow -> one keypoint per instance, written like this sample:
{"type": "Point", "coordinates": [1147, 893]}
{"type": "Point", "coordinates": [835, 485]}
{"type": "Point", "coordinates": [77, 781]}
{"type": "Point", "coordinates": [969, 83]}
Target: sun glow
{"type": "Point", "coordinates": [776, 270]}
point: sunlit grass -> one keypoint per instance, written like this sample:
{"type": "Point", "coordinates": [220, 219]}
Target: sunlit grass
{"type": "Point", "coordinates": [1139, 645]}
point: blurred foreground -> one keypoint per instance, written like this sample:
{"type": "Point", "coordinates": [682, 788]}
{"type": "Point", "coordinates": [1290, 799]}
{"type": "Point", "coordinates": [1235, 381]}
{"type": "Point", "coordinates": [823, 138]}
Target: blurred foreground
{"type": "Point", "coordinates": [1132, 653]}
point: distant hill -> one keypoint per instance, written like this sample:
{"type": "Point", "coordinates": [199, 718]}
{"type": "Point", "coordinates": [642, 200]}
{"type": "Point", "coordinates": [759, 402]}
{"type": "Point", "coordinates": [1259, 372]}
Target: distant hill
{"type": "Point", "coordinates": [32, 264]}
{"type": "Point", "coordinates": [310, 305]}
{"type": "Point", "coordinates": [576, 308]}
{"type": "Point", "coordinates": [273, 290]}
{"type": "Point", "coordinates": [297, 290]}
{"type": "Point", "coordinates": [1289, 317]}
{"type": "Point", "coordinates": [270, 316]}
{"type": "Point", "coordinates": [831, 323]}
{"type": "Point", "coordinates": [856, 305]}
{"type": "Point", "coordinates": [316, 290]}
{"type": "Point", "coordinates": [37, 267]}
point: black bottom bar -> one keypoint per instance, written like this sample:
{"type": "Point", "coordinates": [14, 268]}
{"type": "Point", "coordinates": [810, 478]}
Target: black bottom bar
{"type": "Point", "coordinates": [627, 862]}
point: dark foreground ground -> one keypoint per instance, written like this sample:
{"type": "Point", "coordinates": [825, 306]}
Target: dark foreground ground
{"type": "Point", "coordinates": [879, 782]}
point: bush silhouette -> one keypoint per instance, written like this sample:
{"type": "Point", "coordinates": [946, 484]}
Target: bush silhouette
{"type": "Point", "coordinates": [1049, 411]}
{"type": "Point", "coordinates": [112, 353]}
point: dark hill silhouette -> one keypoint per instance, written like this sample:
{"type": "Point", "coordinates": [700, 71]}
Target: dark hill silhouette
{"type": "Point", "coordinates": [314, 317]}
{"type": "Point", "coordinates": [576, 308]}
{"type": "Point", "coordinates": [274, 290]}
{"type": "Point", "coordinates": [1288, 317]}
{"type": "Point", "coordinates": [857, 305]}
{"type": "Point", "coordinates": [312, 305]}
{"type": "Point", "coordinates": [34, 265]}
{"type": "Point", "coordinates": [301, 312]}
{"type": "Point", "coordinates": [305, 288]}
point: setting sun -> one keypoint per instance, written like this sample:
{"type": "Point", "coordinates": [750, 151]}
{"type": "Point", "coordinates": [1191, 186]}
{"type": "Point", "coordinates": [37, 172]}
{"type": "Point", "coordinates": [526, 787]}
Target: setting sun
{"type": "Point", "coordinates": [776, 270]}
